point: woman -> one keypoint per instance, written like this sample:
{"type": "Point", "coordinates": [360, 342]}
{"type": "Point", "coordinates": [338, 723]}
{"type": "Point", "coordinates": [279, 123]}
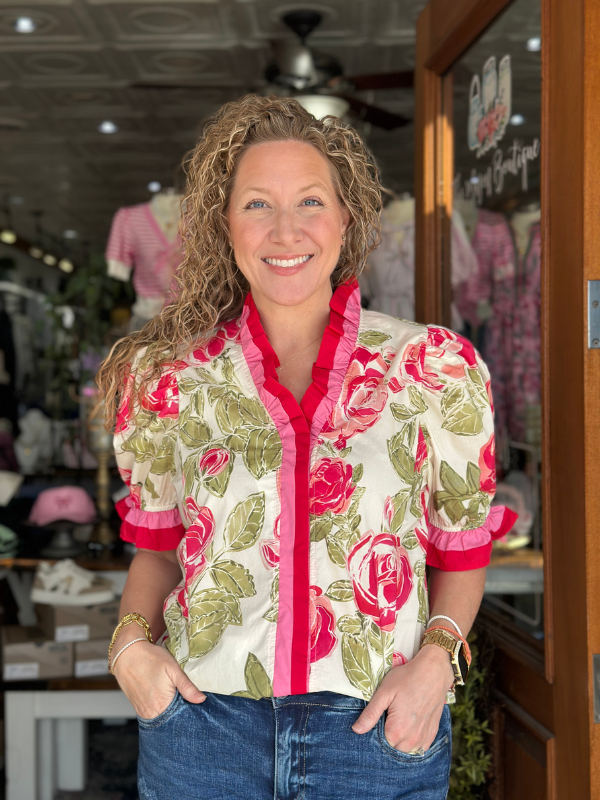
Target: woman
{"type": "Point", "coordinates": [293, 463]}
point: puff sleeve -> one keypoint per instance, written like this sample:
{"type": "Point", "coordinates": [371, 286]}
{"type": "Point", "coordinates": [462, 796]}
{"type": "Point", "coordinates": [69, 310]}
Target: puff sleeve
{"type": "Point", "coordinates": [461, 454]}
{"type": "Point", "coordinates": [119, 250]}
{"type": "Point", "coordinates": [145, 447]}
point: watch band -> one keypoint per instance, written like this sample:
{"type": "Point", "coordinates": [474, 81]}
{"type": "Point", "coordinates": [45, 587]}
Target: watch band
{"type": "Point", "coordinates": [453, 646]}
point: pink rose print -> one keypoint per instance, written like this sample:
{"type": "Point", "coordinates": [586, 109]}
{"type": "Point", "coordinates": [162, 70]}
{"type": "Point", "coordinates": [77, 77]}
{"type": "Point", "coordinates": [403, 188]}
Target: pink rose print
{"type": "Point", "coordinates": [422, 534]}
{"type": "Point", "coordinates": [213, 348]}
{"type": "Point", "coordinates": [322, 625]}
{"type": "Point", "coordinates": [125, 476]}
{"type": "Point", "coordinates": [214, 461]}
{"type": "Point", "coordinates": [382, 577]}
{"type": "Point", "coordinates": [363, 397]}
{"type": "Point", "coordinates": [136, 495]}
{"type": "Point", "coordinates": [487, 465]}
{"type": "Point", "coordinates": [331, 486]}
{"type": "Point", "coordinates": [125, 412]}
{"type": "Point", "coordinates": [197, 538]}
{"type": "Point", "coordinates": [398, 660]}
{"type": "Point", "coordinates": [421, 454]}
{"type": "Point", "coordinates": [413, 369]}
{"type": "Point", "coordinates": [193, 509]}
{"type": "Point", "coordinates": [269, 549]}
{"type": "Point", "coordinates": [451, 342]}
{"type": "Point", "coordinates": [165, 398]}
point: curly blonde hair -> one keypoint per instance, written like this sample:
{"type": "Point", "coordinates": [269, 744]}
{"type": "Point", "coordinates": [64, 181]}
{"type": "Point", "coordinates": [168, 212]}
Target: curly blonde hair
{"type": "Point", "coordinates": [210, 287]}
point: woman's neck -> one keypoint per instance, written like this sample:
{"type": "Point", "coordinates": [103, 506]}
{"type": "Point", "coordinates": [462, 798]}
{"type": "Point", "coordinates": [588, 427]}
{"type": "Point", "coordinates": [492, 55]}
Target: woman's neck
{"type": "Point", "coordinates": [291, 329]}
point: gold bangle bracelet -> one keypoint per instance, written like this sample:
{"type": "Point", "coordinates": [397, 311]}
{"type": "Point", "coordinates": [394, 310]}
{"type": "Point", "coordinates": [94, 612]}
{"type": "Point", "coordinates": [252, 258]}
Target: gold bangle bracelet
{"type": "Point", "coordinates": [127, 620]}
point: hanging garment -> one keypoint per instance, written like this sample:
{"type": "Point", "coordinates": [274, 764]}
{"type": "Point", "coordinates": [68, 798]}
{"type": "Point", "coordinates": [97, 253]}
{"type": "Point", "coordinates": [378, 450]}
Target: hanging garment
{"type": "Point", "coordinates": [137, 242]}
{"type": "Point", "coordinates": [390, 277]}
{"type": "Point", "coordinates": [488, 297]}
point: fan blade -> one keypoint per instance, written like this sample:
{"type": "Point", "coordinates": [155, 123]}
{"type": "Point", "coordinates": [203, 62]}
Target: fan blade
{"type": "Point", "coordinates": [383, 80]}
{"type": "Point", "coordinates": [375, 115]}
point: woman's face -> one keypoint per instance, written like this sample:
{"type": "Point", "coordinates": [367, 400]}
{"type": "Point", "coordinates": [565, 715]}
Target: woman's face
{"type": "Point", "coordinates": [286, 222]}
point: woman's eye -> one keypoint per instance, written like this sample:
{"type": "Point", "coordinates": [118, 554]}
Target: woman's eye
{"type": "Point", "coordinates": [311, 201]}
{"type": "Point", "coordinates": [256, 204]}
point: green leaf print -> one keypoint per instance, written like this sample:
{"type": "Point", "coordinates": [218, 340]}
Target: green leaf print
{"type": "Point", "coordinates": [350, 623]}
{"type": "Point", "coordinates": [213, 393]}
{"type": "Point", "coordinates": [210, 600]}
{"type": "Point", "coordinates": [452, 482]}
{"type": "Point", "coordinates": [402, 459]}
{"type": "Point", "coordinates": [228, 371]}
{"type": "Point", "coordinates": [416, 400]}
{"type": "Point", "coordinates": [263, 452]}
{"type": "Point", "coordinates": [188, 385]}
{"type": "Point", "coordinates": [143, 449]}
{"type": "Point", "coordinates": [175, 628]}
{"type": "Point", "coordinates": [205, 632]}
{"type": "Point", "coordinates": [228, 413]}
{"type": "Point", "coordinates": [473, 475]}
{"type": "Point", "coordinates": [233, 577]}
{"type": "Point", "coordinates": [254, 413]}
{"type": "Point", "coordinates": [320, 527]}
{"type": "Point", "coordinates": [410, 541]}
{"type": "Point", "coordinates": [190, 473]}
{"type": "Point", "coordinates": [245, 522]}
{"type": "Point", "coordinates": [461, 414]}
{"type": "Point", "coordinates": [271, 614]}
{"type": "Point", "coordinates": [477, 387]}
{"type": "Point", "coordinates": [238, 441]}
{"type": "Point", "coordinates": [258, 683]}
{"type": "Point", "coordinates": [378, 640]}
{"type": "Point", "coordinates": [357, 664]}
{"type": "Point", "coordinates": [402, 413]}
{"type": "Point", "coordinates": [423, 616]}
{"type": "Point", "coordinates": [341, 591]}
{"type": "Point", "coordinates": [373, 338]}
{"type": "Point", "coordinates": [336, 549]}
{"type": "Point", "coordinates": [165, 458]}
{"type": "Point", "coordinates": [357, 473]}
{"type": "Point", "coordinates": [400, 503]}
{"type": "Point", "coordinates": [149, 487]}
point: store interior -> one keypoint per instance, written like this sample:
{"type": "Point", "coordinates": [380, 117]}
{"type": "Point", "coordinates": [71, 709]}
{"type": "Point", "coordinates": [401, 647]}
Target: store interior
{"type": "Point", "coordinates": [100, 101]}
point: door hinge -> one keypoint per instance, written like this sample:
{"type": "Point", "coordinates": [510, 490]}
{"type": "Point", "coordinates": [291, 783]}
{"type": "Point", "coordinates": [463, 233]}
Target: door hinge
{"type": "Point", "coordinates": [596, 674]}
{"type": "Point", "coordinates": [593, 314]}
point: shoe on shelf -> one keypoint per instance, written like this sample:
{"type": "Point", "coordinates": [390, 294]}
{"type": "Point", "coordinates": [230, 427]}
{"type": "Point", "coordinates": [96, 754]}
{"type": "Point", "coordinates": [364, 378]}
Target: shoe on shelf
{"type": "Point", "coordinates": [67, 584]}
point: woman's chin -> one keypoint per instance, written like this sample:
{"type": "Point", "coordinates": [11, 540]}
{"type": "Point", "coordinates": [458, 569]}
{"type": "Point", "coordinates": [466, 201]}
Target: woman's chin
{"type": "Point", "coordinates": [294, 290]}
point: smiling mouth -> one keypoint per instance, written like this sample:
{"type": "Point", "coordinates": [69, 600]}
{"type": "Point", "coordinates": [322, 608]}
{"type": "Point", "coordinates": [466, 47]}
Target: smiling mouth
{"type": "Point", "coordinates": [287, 262]}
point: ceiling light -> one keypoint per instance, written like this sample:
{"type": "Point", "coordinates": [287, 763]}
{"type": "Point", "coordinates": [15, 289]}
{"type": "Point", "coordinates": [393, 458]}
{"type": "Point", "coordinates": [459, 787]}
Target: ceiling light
{"type": "Point", "coordinates": [108, 127]}
{"type": "Point", "coordinates": [24, 25]}
{"type": "Point", "coordinates": [320, 105]}
{"type": "Point", "coordinates": [154, 186]}
{"type": "Point", "coordinates": [517, 119]}
{"type": "Point", "coordinates": [16, 201]}
{"type": "Point", "coordinates": [534, 44]}
{"type": "Point", "coordinates": [70, 234]}
{"type": "Point", "coordinates": [36, 252]}
{"type": "Point", "coordinates": [474, 179]}
{"type": "Point", "coordinates": [50, 260]}
{"type": "Point", "coordinates": [7, 236]}
{"type": "Point", "coordinates": [65, 265]}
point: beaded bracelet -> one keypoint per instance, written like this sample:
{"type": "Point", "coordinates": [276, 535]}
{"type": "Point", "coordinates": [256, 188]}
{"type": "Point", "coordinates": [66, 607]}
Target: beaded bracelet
{"type": "Point", "coordinates": [111, 667]}
{"type": "Point", "coordinates": [127, 620]}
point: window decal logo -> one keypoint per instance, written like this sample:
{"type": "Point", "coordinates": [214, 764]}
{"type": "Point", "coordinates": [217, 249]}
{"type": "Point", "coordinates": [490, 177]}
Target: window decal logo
{"type": "Point", "coordinates": [489, 106]}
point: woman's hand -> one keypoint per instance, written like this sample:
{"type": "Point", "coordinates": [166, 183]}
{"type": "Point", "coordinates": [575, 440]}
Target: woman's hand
{"type": "Point", "coordinates": [414, 696]}
{"type": "Point", "coordinates": [149, 677]}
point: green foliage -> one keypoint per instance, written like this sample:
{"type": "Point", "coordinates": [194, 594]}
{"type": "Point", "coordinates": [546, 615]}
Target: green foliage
{"type": "Point", "coordinates": [471, 759]}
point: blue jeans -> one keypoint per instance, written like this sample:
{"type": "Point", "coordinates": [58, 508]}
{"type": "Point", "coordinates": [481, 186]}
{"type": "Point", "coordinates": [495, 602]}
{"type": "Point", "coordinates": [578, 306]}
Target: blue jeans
{"type": "Point", "coordinates": [299, 747]}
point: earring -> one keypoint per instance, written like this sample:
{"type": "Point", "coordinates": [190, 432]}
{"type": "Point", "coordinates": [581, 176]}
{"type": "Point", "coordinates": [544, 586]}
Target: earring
{"type": "Point", "coordinates": [343, 237]}
{"type": "Point", "coordinates": [230, 244]}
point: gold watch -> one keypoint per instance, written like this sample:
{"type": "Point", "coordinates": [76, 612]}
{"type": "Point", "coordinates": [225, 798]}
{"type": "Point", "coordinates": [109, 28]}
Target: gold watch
{"type": "Point", "coordinates": [459, 658]}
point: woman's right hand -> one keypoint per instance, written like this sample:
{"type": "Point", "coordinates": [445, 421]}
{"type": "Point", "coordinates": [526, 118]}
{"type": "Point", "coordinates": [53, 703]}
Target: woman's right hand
{"type": "Point", "coordinates": [149, 676]}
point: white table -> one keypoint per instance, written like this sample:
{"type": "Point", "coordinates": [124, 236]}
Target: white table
{"type": "Point", "coordinates": [46, 738]}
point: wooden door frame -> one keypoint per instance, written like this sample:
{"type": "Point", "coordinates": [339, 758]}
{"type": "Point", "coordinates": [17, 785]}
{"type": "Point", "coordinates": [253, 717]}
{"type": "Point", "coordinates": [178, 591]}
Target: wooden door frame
{"type": "Point", "coordinates": [570, 372]}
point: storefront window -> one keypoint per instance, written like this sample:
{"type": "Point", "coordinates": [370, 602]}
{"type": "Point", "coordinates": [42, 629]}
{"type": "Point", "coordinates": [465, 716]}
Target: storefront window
{"type": "Point", "coordinates": [494, 251]}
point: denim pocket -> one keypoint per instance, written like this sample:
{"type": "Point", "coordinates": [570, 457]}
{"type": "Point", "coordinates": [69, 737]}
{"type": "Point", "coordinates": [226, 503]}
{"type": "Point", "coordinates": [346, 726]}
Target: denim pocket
{"type": "Point", "coordinates": [174, 706]}
{"type": "Point", "coordinates": [442, 739]}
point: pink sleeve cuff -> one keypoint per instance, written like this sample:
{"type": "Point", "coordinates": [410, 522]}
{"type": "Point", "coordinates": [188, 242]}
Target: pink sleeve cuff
{"type": "Point", "coordinates": [152, 530]}
{"type": "Point", "coordinates": [455, 551]}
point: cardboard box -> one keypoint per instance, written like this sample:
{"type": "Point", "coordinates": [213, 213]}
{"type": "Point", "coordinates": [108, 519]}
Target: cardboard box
{"type": "Point", "coordinates": [78, 623]}
{"type": "Point", "coordinates": [91, 658]}
{"type": "Point", "coordinates": [27, 655]}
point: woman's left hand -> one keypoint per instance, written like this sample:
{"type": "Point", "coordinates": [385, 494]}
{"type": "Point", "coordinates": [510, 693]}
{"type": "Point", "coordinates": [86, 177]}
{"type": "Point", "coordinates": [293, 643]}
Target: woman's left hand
{"type": "Point", "coordinates": [414, 696]}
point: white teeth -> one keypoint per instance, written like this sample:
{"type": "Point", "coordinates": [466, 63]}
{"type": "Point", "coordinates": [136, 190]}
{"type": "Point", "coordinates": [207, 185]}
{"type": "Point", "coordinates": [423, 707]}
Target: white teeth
{"type": "Point", "coordinates": [292, 262]}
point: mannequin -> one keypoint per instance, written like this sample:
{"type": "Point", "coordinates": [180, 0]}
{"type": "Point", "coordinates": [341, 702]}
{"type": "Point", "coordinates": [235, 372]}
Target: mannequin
{"type": "Point", "coordinates": [144, 238]}
{"type": "Point", "coordinates": [521, 221]}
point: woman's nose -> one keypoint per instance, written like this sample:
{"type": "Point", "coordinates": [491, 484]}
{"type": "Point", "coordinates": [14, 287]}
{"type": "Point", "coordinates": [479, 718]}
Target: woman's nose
{"type": "Point", "coordinates": [286, 229]}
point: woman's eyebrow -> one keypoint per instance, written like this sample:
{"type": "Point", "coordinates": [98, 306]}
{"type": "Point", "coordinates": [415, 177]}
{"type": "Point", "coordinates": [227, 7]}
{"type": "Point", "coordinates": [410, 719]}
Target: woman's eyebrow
{"type": "Point", "coordinates": [262, 190]}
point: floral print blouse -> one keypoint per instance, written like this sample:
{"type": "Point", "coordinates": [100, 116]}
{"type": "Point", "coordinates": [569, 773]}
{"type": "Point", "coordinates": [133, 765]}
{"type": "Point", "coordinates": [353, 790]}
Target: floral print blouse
{"type": "Point", "coordinates": [303, 530]}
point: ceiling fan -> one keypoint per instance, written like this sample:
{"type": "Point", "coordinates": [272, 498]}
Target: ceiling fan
{"type": "Point", "coordinates": [313, 77]}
